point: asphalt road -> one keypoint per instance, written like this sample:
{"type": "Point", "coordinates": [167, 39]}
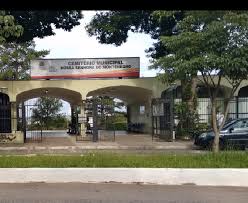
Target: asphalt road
{"type": "Point", "coordinates": [119, 193]}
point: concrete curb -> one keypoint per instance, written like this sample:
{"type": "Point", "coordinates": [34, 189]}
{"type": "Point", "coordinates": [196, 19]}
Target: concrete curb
{"type": "Point", "coordinates": [90, 147]}
{"type": "Point", "coordinates": [160, 176]}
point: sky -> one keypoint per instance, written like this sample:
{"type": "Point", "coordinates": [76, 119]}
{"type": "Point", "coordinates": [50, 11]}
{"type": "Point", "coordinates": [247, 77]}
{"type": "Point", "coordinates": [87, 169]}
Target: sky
{"type": "Point", "coordinates": [78, 44]}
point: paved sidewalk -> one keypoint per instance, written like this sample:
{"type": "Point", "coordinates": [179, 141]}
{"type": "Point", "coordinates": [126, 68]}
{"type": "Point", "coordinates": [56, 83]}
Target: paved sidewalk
{"type": "Point", "coordinates": [127, 143]}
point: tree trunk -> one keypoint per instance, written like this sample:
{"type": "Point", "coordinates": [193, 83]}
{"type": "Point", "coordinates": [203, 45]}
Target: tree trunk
{"type": "Point", "coordinates": [184, 90]}
{"type": "Point", "coordinates": [215, 146]}
{"type": "Point", "coordinates": [189, 97]}
{"type": "Point", "coordinates": [193, 96]}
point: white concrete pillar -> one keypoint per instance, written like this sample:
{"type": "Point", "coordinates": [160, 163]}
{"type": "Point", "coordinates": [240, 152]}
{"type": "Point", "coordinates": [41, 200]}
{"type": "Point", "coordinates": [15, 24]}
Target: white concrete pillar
{"type": "Point", "coordinates": [13, 117]}
{"type": "Point", "coordinates": [148, 115]}
{"type": "Point", "coordinates": [82, 119]}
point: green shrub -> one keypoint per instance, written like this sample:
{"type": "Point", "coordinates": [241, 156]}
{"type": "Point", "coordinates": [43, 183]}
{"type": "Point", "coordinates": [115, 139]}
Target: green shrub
{"type": "Point", "coordinates": [117, 126]}
{"type": "Point", "coordinates": [187, 126]}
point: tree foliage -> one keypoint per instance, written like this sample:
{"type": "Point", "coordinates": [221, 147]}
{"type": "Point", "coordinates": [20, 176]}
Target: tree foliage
{"type": "Point", "coordinates": [17, 31]}
{"type": "Point", "coordinates": [9, 28]}
{"type": "Point", "coordinates": [47, 110]}
{"type": "Point", "coordinates": [41, 23]}
{"type": "Point", "coordinates": [15, 60]}
{"type": "Point", "coordinates": [214, 44]}
{"type": "Point", "coordinates": [112, 27]}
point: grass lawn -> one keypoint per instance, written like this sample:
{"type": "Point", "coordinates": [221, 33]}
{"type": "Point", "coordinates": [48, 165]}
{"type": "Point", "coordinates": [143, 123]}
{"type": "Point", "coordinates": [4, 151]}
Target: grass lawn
{"type": "Point", "coordinates": [233, 159]}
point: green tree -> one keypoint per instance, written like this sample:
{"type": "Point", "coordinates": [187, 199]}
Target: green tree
{"type": "Point", "coordinates": [17, 31]}
{"type": "Point", "coordinates": [41, 23]}
{"type": "Point", "coordinates": [59, 123]}
{"type": "Point", "coordinates": [15, 59]}
{"type": "Point", "coordinates": [218, 50]}
{"type": "Point", "coordinates": [108, 101]}
{"type": "Point", "coordinates": [8, 27]}
{"type": "Point", "coordinates": [108, 112]}
{"type": "Point", "coordinates": [47, 110]}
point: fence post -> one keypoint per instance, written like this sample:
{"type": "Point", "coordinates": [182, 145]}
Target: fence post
{"type": "Point", "coordinates": [237, 106]}
{"type": "Point", "coordinates": [24, 120]}
{"type": "Point", "coordinates": [172, 116]}
{"type": "Point", "coordinates": [95, 127]}
{"type": "Point", "coordinates": [152, 119]}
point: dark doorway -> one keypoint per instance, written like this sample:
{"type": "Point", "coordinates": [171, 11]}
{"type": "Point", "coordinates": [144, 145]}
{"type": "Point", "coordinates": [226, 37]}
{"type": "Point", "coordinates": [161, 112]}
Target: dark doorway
{"type": "Point", "coordinates": [243, 92]}
{"type": "Point", "coordinates": [5, 114]}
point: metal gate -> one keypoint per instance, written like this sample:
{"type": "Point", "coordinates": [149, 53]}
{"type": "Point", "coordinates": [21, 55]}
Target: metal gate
{"type": "Point", "coordinates": [32, 128]}
{"type": "Point", "coordinates": [105, 118]}
{"type": "Point", "coordinates": [162, 119]}
{"type": "Point", "coordinates": [97, 121]}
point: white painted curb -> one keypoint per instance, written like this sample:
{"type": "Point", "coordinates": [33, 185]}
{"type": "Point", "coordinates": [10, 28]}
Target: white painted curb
{"type": "Point", "coordinates": [161, 176]}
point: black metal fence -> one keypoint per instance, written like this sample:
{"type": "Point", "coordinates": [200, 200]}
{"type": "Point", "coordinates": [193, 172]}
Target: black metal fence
{"type": "Point", "coordinates": [31, 128]}
{"type": "Point", "coordinates": [165, 120]}
{"type": "Point", "coordinates": [238, 108]}
{"type": "Point", "coordinates": [105, 119]}
{"type": "Point", "coordinates": [162, 112]}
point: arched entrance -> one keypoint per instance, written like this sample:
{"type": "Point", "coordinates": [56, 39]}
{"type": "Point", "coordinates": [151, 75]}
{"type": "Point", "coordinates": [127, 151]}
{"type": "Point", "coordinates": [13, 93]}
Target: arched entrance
{"type": "Point", "coordinates": [241, 107]}
{"type": "Point", "coordinates": [136, 108]}
{"type": "Point", "coordinates": [243, 92]}
{"type": "Point", "coordinates": [38, 117]}
{"type": "Point", "coordinates": [5, 113]}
